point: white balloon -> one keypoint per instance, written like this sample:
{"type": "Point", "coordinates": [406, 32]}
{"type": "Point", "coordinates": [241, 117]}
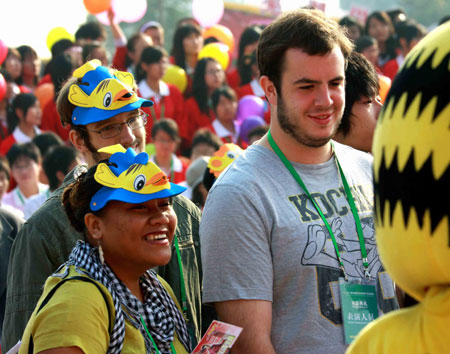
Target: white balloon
{"type": "Point", "coordinates": [207, 12]}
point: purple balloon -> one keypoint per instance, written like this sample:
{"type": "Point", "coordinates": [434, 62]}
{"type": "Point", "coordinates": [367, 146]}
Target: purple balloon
{"type": "Point", "coordinates": [248, 124]}
{"type": "Point", "coordinates": [250, 106]}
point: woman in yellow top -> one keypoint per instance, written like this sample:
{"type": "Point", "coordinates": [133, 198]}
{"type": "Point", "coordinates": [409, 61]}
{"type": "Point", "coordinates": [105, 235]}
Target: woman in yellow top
{"type": "Point", "coordinates": [123, 206]}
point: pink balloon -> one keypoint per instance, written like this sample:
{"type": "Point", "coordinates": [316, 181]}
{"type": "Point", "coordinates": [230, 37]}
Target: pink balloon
{"type": "Point", "coordinates": [207, 12]}
{"type": "Point", "coordinates": [102, 17]}
{"type": "Point", "coordinates": [3, 51]}
{"type": "Point", "coordinates": [130, 11]}
{"type": "Point", "coordinates": [2, 87]}
{"type": "Point", "coordinates": [123, 12]}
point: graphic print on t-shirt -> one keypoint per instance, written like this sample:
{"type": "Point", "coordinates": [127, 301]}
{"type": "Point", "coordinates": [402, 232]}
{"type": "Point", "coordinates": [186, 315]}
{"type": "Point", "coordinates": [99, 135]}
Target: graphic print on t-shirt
{"type": "Point", "coordinates": [319, 251]}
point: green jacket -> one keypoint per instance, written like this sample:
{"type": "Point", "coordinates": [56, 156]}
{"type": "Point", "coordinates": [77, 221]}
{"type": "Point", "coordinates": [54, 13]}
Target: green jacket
{"type": "Point", "coordinates": [46, 240]}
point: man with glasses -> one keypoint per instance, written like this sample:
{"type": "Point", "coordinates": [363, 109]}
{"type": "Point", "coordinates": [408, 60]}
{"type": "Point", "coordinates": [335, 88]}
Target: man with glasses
{"type": "Point", "coordinates": [102, 110]}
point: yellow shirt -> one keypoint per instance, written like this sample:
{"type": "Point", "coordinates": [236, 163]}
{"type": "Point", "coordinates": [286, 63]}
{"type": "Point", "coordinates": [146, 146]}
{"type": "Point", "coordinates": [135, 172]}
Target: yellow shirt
{"type": "Point", "coordinates": [77, 315]}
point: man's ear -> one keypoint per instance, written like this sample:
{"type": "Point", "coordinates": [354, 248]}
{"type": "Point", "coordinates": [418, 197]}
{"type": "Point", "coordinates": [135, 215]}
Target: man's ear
{"type": "Point", "coordinates": [94, 226]}
{"type": "Point", "coordinates": [269, 90]}
{"type": "Point", "coordinates": [77, 141]}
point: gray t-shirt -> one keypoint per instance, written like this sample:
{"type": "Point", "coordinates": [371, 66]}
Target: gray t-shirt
{"type": "Point", "coordinates": [261, 238]}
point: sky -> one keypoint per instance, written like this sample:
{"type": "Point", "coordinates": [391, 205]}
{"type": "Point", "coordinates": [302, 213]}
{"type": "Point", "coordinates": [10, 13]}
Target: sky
{"type": "Point", "coordinates": [18, 27]}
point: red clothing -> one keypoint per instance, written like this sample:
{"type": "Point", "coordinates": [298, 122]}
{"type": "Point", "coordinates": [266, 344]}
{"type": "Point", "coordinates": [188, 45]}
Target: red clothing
{"type": "Point", "coordinates": [46, 79]}
{"type": "Point", "coordinates": [119, 59]}
{"type": "Point", "coordinates": [6, 144]}
{"type": "Point", "coordinates": [233, 79]}
{"type": "Point", "coordinates": [173, 108]}
{"type": "Point", "coordinates": [52, 122]}
{"type": "Point", "coordinates": [391, 67]}
{"type": "Point", "coordinates": [194, 119]}
{"type": "Point", "coordinates": [180, 176]}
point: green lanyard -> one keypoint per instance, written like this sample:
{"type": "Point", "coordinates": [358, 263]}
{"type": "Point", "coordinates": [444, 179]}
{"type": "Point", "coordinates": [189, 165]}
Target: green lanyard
{"type": "Point", "coordinates": [182, 285]}
{"type": "Point", "coordinates": [153, 341]}
{"type": "Point", "coordinates": [348, 195]}
{"type": "Point", "coordinates": [20, 195]}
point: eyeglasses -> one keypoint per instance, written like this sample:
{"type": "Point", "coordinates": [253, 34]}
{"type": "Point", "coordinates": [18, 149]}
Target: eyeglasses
{"type": "Point", "coordinates": [112, 130]}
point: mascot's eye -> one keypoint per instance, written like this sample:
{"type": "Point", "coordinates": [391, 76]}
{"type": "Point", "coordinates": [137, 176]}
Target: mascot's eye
{"type": "Point", "coordinates": [231, 154]}
{"type": "Point", "coordinates": [107, 100]}
{"type": "Point", "coordinates": [139, 182]}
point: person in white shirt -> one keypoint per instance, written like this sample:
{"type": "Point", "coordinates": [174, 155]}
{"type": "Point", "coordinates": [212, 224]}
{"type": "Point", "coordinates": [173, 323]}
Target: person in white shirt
{"type": "Point", "coordinates": [225, 104]}
{"type": "Point", "coordinates": [25, 162]}
{"type": "Point", "coordinates": [57, 162]}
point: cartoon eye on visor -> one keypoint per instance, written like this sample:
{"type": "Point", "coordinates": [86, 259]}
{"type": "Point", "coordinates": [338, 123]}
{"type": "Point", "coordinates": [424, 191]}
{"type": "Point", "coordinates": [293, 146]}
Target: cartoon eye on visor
{"type": "Point", "coordinates": [130, 178]}
{"type": "Point", "coordinates": [139, 182]}
{"type": "Point", "coordinates": [107, 99]}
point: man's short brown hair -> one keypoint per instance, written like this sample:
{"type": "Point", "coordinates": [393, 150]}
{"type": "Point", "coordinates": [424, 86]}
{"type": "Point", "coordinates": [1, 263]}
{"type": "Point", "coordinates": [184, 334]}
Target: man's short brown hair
{"type": "Point", "coordinates": [308, 30]}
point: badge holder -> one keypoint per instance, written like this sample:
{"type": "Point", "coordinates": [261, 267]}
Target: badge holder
{"type": "Point", "coordinates": [359, 305]}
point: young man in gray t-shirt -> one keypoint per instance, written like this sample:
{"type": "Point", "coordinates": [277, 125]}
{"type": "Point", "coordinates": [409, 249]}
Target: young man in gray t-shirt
{"type": "Point", "coordinates": [269, 263]}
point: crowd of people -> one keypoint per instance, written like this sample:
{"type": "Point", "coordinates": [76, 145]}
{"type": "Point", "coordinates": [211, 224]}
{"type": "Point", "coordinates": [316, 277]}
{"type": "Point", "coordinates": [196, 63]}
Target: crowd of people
{"type": "Point", "coordinates": [118, 175]}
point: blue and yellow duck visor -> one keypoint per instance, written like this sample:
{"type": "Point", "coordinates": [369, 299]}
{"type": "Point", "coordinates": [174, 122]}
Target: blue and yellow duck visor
{"type": "Point", "coordinates": [102, 95]}
{"type": "Point", "coordinates": [131, 178]}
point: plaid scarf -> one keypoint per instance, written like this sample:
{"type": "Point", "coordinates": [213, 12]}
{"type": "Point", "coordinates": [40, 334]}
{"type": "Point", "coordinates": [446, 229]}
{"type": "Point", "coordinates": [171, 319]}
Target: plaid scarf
{"type": "Point", "coordinates": [158, 311]}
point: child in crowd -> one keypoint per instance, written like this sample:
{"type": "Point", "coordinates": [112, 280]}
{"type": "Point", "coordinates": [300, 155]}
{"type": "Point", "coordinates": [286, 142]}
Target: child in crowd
{"type": "Point", "coordinates": [25, 162]}
{"type": "Point", "coordinates": [225, 126]}
{"type": "Point", "coordinates": [5, 176]}
{"type": "Point", "coordinates": [166, 138]}
{"type": "Point", "coordinates": [208, 76]}
{"type": "Point", "coordinates": [23, 121]}
{"type": "Point", "coordinates": [58, 161]}
{"type": "Point", "coordinates": [167, 98]}
{"type": "Point", "coordinates": [204, 143]}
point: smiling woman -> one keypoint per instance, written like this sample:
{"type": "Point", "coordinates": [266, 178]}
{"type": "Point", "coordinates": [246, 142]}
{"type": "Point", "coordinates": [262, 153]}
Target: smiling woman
{"type": "Point", "coordinates": [123, 206]}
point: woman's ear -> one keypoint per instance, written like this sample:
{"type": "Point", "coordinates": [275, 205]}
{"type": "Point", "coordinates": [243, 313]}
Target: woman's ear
{"type": "Point", "coordinates": [94, 226]}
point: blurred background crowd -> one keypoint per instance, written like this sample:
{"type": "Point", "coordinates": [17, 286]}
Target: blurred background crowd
{"type": "Point", "coordinates": [200, 71]}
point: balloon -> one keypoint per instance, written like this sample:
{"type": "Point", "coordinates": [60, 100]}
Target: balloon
{"type": "Point", "coordinates": [217, 51]}
{"type": "Point", "coordinates": [2, 87]}
{"type": "Point", "coordinates": [250, 106]}
{"type": "Point", "coordinates": [3, 52]}
{"type": "Point", "coordinates": [176, 76]}
{"type": "Point", "coordinates": [222, 33]}
{"type": "Point", "coordinates": [96, 6]}
{"type": "Point", "coordinates": [385, 85]}
{"type": "Point", "coordinates": [123, 12]}
{"type": "Point", "coordinates": [207, 12]}
{"type": "Point", "coordinates": [44, 93]}
{"type": "Point", "coordinates": [56, 34]}
{"type": "Point", "coordinates": [128, 11]}
{"type": "Point", "coordinates": [248, 124]}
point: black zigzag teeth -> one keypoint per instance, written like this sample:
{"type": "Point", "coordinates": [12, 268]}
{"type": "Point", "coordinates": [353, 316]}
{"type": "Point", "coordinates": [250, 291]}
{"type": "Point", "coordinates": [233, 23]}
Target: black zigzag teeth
{"type": "Point", "coordinates": [428, 80]}
{"type": "Point", "coordinates": [413, 188]}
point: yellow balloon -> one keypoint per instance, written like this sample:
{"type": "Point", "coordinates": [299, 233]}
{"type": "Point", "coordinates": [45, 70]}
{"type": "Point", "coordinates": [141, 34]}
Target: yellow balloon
{"type": "Point", "coordinates": [57, 34]}
{"type": "Point", "coordinates": [176, 76]}
{"type": "Point", "coordinates": [217, 51]}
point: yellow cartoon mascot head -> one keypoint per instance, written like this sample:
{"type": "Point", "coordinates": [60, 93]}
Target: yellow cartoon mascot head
{"type": "Point", "coordinates": [412, 201]}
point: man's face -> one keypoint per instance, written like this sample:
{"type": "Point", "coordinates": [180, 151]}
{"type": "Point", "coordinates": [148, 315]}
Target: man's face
{"type": "Point", "coordinates": [127, 137]}
{"type": "Point", "coordinates": [311, 102]}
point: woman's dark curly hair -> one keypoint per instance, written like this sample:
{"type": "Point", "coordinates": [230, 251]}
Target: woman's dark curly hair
{"type": "Point", "coordinates": [77, 196]}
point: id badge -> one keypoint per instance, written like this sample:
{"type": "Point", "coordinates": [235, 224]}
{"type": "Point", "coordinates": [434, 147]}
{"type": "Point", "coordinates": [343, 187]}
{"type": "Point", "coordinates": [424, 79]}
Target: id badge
{"type": "Point", "coordinates": [359, 307]}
